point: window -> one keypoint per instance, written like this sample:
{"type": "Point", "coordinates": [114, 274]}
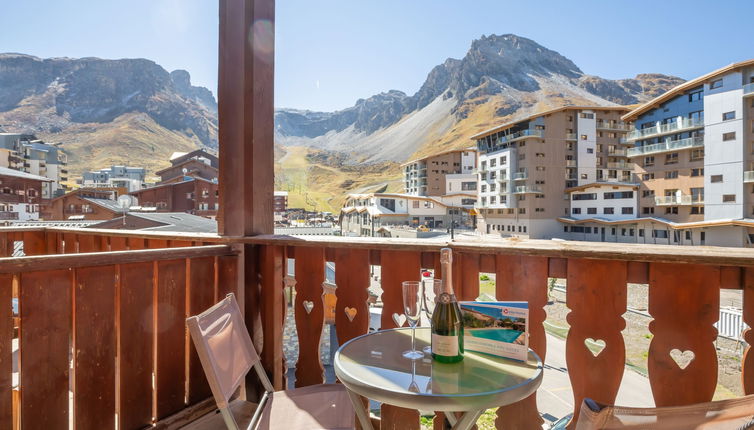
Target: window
{"type": "Point", "coordinates": [583, 137]}
{"type": "Point", "coordinates": [697, 210]}
{"type": "Point", "coordinates": [429, 205]}
{"type": "Point", "coordinates": [539, 210]}
{"type": "Point", "coordinates": [539, 154]}
{"type": "Point", "coordinates": [388, 204]}
{"type": "Point", "coordinates": [522, 210]}
{"type": "Point", "coordinates": [695, 96]}
{"type": "Point", "coordinates": [648, 193]}
{"type": "Point", "coordinates": [584, 176]}
{"type": "Point", "coordinates": [591, 211]}
{"type": "Point", "coordinates": [493, 200]}
{"type": "Point", "coordinates": [484, 188]}
{"type": "Point", "coordinates": [608, 211]}
{"type": "Point", "coordinates": [648, 210]}
{"type": "Point", "coordinates": [729, 198]}
{"type": "Point", "coordinates": [540, 168]}
{"type": "Point", "coordinates": [576, 211]}
{"type": "Point", "coordinates": [716, 178]}
{"type": "Point", "coordinates": [627, 211]}
{"type": "Point", "coordinates": [641, 232]}
{"type": "Point", "coordinates": [717, 83]}
{"type": "Point", "coordinates": [672, 210]}
{"type": "Point", "coordinates": [415, 203]}
{"type": "Point", "coordinates": [729, 136]}
{"type": "Point", "coordinates": [688, 235]}
{"type": "Point", "coordinates": [619, 195]}
{"type": "Point", "coordinates": [697, 154]}
{"type": "Point", "coordinates": [727, 116]}
{"type": "Point", "coordinates": [584, 196]}
{"type": "Point", "coordinates": [671, 174]}
{"type": "Point", "coordinates": [468, 186]}
{"type": "Point", "coordinates": [503, 159]}
{"type": "Point", "coordinates": [590, 150]}
{"type": "Point", "coordinates": [586, 115]}
{"type": "Point", "coordinates": [493, 162]}
{"type": "Point", "coordinates": [671, 158]}
{"type": "Point", "coordinates": [660, 234]}
{"type": "Point", "coordinates": [647, 176]}
{"type": "Point", "coordinates": [649, 161]}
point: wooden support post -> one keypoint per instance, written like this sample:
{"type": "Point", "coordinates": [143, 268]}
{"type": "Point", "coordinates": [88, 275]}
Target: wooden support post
{"type": "Point", "coordinates": [246, 138]}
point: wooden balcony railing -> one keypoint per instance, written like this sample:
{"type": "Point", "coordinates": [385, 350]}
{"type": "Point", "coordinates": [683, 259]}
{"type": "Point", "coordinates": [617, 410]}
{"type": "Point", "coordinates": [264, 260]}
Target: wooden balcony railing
{"type": "Point", "coordinates": [684, 290]}
{"type": "Point", "coordinates": [115, 310]}
{"type": "Point", "coordinates": [101, 332]}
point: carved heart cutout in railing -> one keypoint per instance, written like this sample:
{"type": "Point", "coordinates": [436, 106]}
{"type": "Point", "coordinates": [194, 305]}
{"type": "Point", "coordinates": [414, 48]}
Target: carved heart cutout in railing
{"type": "Point", "coordinates": [594, 346]}
{"type": "Point", "coordinates": [682, 359]}
{"type": "Point", "coordinates": [350, 313]}
{"type": "Point", "coordinates": [308, 306]}
{"type": "Point", "coordinates": [399, 319]}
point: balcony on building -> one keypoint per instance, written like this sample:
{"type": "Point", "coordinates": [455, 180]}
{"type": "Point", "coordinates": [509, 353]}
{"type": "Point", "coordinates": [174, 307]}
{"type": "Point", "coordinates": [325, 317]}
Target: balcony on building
{"type": "Point", "coordinates": [527, 189]}
{"type": "Point", "coordinates": [749, 90]}
{"type": "Point", "coordinates": [521, 135]}
{"type": "Point", "coordinates": [617, 152]}
{"type": "Point", "coordinates": [620, 165]}
{"type": "Point", "coordinates": [679, 200]}
{"type": "Point", "coordinates": [667, 146]}
{"type": "Point", "coordinates": [570, 163]}
{"type": "Point", "coordinates": [613, 126]}
{"type": "Point", "coordinates": [749, 176]}
{"type": "Point", "coordinates": [520, 176]}
{"type": "Point", "coordinates": [679, 126]}
{"type": "Point", "coordinates": [571, 136]}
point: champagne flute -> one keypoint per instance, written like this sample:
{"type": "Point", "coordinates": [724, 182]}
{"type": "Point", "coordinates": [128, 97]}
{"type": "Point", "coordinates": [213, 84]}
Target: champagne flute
{"type": "Point", "coordinates": [412, 307]}
{"type": "Point", "coordinates": [432, 289]}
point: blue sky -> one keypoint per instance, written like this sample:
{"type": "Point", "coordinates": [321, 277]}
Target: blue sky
{"type": "Point", "coordinates": [331, 53]}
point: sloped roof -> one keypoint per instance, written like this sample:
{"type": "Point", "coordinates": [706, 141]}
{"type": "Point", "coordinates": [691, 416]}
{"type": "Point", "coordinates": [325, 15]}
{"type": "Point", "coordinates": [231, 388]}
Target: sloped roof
{"type": "Point", "coordinates": [178, 221]}
{"type": "Point", "coordinates": [108, 204]}
{"type": "Point", "coordinates": [655, 102]}
{"type": "Point", "coordinates": [4, 171]}
{"type": "Point", "coordinates": [510, 124]}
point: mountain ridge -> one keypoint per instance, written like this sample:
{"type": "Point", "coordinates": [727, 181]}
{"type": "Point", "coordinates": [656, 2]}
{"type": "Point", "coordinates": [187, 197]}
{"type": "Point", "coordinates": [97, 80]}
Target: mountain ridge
{"type": "Point", "coordinates": [512, 71]}
{"type": "Point", "coordinates": [84, 101]}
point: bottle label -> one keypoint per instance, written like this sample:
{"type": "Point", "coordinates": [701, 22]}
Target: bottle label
{"type": "Point", "coordinates": [444, 345]}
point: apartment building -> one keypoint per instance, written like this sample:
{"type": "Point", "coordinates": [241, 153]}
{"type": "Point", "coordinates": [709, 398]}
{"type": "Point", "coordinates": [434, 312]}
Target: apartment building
{"type": "Point", "coordinates": [84, 204]}
{"type": "Point", "coordinates": [20, 195]}
{"type": "Point", "coordinates": [367, 214]}
{"type": "Point", "coordinates": [193, 195]}
{"type": "Point", "coordinates": [429, 176]}
{"type": "Point", "coordinates": [527, 166]}
{"type": "Point", "coordinates": [129, 178]}
{"type": "Point", "coordinates": [198, 163]}
{"type": "Point", "coordinates": [28, 154]}
{"type": "Point", "coordinates": [693, 151]}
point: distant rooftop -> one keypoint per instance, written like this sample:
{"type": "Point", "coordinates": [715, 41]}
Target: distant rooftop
{"type": "Point", "coordinates": [4, 171]}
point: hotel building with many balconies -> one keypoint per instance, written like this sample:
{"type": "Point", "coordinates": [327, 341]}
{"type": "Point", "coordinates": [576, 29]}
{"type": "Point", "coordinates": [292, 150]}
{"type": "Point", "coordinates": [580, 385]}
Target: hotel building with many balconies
{"type": "Point", "coordinates": [693, 151]}
{"type": "Point", "coordinates": [528, 167]}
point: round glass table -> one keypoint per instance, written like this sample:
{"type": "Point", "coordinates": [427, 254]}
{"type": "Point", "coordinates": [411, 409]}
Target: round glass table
{"type": "Point", "coordinates": [373, 366]}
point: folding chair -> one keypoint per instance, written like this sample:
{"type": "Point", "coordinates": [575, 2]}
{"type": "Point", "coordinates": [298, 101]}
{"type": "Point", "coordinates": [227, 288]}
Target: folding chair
{"type": "Point", "coordinates": [723, 414]}
{"type": "Point", "coordinates": [227, 354]}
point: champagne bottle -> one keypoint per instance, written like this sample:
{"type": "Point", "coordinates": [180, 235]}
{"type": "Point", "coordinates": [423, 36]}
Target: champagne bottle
{"type": "Point", "coordinates": [447, 326]}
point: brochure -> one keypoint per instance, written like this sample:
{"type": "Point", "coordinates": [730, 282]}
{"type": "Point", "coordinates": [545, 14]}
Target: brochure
{"type": "Point", "coordinates": [496, 328]}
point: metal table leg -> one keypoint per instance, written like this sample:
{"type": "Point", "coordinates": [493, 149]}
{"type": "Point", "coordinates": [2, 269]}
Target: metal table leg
{"type": "Point", "coordinates": [361, 412]}
{"type": "Point", "coordinates": [468, 419]}
{"type": "Point", "coordinates": [451, 417]}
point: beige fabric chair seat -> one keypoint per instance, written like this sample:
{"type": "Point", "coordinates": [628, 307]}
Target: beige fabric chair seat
{"type": "Point", "coordinates": [227, 355]}
{"type": "Point", "coordinates": [320, 406]}
{"type": "Point", "coordinates": [724, 414]}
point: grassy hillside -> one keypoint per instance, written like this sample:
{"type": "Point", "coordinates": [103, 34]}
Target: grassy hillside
{"type": "Point", "coordinates": [315, 185]}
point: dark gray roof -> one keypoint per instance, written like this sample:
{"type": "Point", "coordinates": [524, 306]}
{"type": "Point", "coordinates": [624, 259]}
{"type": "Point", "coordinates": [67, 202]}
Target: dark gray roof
{"type": "Point", "coordinates": [105, 203]}
{"type": "Point", "coordinates": [178, 221]}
